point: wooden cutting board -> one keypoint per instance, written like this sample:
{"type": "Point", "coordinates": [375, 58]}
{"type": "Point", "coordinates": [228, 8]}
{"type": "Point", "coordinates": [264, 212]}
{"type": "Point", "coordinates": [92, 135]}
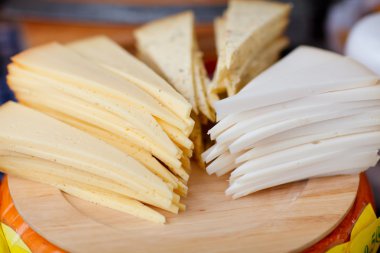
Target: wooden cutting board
{"type": "Point", "coordinates": [283, 219]}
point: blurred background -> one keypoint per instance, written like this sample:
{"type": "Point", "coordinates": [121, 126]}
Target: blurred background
{"type": "Point", "coordinates": [26, 23]}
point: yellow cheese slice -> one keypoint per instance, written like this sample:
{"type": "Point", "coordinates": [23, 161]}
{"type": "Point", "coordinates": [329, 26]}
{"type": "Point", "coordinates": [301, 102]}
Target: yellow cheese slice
{"type": "Point", "coordinates": [110, 55]}
{"type": "Point", "coordinates": [167, 45]}
{"type": "Point", "coordinates": [177, 136]}
{"type": "Point", "coordinates": [59, 62]}
{"type": "Point", "coordinates": [200, 80]}
{"type": "Point", "coordinates": [250, 25]}
{"type": "Point", "coordinates": [64, 179]}
{"type": "Point", "coordinates": [42, 100]}
{"type": "Point", "coordinates": [25, 166]}
{"type": "Point", "coordinates": [137, 118]}
{"type": "Point", "coordinates": [221, 70]}
{"type": "Point", "coordinates": [139, 154]}
{"type": "Point", "coordinates": [41, 136]}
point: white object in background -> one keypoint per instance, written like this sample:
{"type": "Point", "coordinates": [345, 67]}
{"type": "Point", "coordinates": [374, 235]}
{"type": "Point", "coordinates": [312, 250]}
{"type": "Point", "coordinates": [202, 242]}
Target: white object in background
{"type": "Point", "coordinates": [363, 43]}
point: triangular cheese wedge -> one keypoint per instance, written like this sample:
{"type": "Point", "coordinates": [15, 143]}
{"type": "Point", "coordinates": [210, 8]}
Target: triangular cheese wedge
{"type": "Point", "coordinates": [35, 85]}
{"type": "Point", "coordinates": [59, 62]}
{"type": "Point", "coordinates": [250, 25]}
{"type": "Point", "coordinates": [167, 44]}
{"type": "Point", "coordinates": [110, 55]}
{"type": "Point", "coordinates": [256, 65]}
{"type": "Point", "coordinates": [32, 133]}
{"type": "Point", "coordinates": [320, 71]}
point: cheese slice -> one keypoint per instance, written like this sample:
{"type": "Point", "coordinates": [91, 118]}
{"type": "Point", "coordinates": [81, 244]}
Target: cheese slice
{"type": "Point", "coordinates": [64, 179]}
{"type": "Point", "coordinates": [58, 62]}
{"type": "Point", "coordinates": [250, 25]}
{"type": "Point", "coordinates": [167, 44]}
{"type": "Point", "coordinates": [353, 163]}
{"type": "Point", "coordinates": [326, 72]}
{"type": "Point", "coordinates": [201, 82]}
{"type": "Point", "coordinates": [220, 71]}
{"type": "Point", "coordinates": [113, 57]}
{"type": "Point", "coordinates": [256, 65]}
{"type": "Point", "coordinates": [30, 82]}
{"type": "Point", "coordinates": [43, 101]}
{"type": "Point", "coordinates": [45, 137]}
{"type": "Point", "coordinates": [264, 60]}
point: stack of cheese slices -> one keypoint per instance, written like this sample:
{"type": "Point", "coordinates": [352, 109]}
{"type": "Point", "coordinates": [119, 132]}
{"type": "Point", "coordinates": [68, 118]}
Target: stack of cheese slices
{"type": "Point", "coordinates": [99, 88]}
{"type": "Point", "coordinates": [169, 46]}
{"type": "Point", "coordinates": [249, 39]}
{"type": "Point", "coordinates": [314, 113]}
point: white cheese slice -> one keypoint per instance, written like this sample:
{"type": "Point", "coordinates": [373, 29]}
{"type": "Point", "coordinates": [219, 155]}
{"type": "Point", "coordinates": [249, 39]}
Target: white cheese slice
{"type": "Point", "coordinates": [330, 72]}
{"type": "Point", "coordinates": [248, 140]}
{"type": "Point", "coordinates": [353, 163]}
{"type": "Point", "coordinates": [349, 142]}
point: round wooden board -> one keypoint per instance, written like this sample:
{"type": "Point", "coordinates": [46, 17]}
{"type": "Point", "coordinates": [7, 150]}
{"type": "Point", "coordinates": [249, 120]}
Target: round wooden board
{"type": "Point", "coordinates": [282, 219]}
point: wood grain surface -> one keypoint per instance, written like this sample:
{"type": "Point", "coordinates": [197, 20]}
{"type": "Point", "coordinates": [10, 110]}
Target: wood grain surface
{"type": "Point", "coordinates": [287, 218]}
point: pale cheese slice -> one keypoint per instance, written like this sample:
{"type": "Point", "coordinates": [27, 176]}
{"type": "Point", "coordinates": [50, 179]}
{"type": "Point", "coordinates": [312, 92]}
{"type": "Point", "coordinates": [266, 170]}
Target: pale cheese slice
{"type": "Point", "coordinates": [42, 101]}
{"type": "Point", "coordinates": [167, 44]}
{"type": "Point", "coordinates": [58, 62]}
{"type": "Point", "coordinates": [112, 56]}
{"type": "Point", "coordinates": [250, 25]}
{"type": "Point", "coordinates": [200, 82]}
{"type": "Point", "coordinates": [256, 65]}
{"type": "Point", "coordinates": [221, 71]}
{"type": "Point", "coordinates": [304, 72]}
{"type": "Point", "coordinates": [136, 152]}
{"type": "Point", "coordinates": [26, 79]}
{"type": "Point", "coordinates": [43, 136]}
{"type": "Point", "coordinates": [64, 178]}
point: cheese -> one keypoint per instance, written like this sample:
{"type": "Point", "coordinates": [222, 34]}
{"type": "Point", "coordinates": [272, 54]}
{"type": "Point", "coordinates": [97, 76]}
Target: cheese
{"type": "Point", "coordinates": [273, 117]}
{"type": "Point", "coordinates": [201, 82]}
{"type": "Point", "coordinates": [110, 55]}
{"type": "Point", "coordinates": [168, 43]}
{"type": "Point", "coordinates": [245, 39]}
{"type": "Point", "coordinates": [353, 163]}
{"type": "Point", "coordinates": [220, 71]}
{"type": "Point", "coordinates": [249, 25]}
{"type": "Point", "coordinates": [350, 142]}
{"type": "Point", "coordinates": [248, 140]}
{"type": "Point", "coordinates": [140, 121]}
{"type": "Point", "coordinates": [297, 120]}
{"type": "Point", "coordinates": [29, 132]}
{"type": "Point", "coordinates": [45, 172]}
{"type": "Point", "coordinates": [62, 106]}
{"type": "Point", "coordinates": [307, 76]}
{"type": "Point", "coordinates": [256, 65]}
{"type": "Point", "coordinates": [58, 62]}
